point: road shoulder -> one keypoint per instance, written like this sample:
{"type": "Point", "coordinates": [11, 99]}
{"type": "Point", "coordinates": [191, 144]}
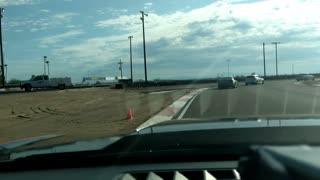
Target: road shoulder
{"type": "Point", "coordinates": [171, 111]}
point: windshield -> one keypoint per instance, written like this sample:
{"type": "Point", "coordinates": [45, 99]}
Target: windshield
{"type": "Point", "coordinates": [109, 68]}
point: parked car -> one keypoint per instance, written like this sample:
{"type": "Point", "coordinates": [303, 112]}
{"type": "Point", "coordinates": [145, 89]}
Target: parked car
{"type": "Point", "coordinates": [305, 77]}
{"type": "Point", "coordinates": [227, 82]}
{"type": "Point", "coordinates": [254, 79]}
{"type": "Point", "coordinates": [43, 81]}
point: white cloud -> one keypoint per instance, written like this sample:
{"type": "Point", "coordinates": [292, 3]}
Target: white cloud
{"type": "Point", "coordinates": [59, 37]}
{"type": "Point", "coordinates": [112, 11]}
{"type": "Point", "coordinates": [44, 10]}
{"type": "Point", "coordinates": [15, 2]}
{"type": "Point", "coordinates": [147, 5]}
{"type": "Point", "coordinates": [223, 29]}
{"type": "Point", "coordinates": [101, 49]}
{"type": "Point", "coordinates": [71, 26]}
{"type": "Point", "coordinates": [42, 23]}
{"type": "Point", "coordinates": [264, 20]}
{"type": "Point", "coordinates": [34, 30]}
{"type": "Point", "coordinates": [65, 16]}
{"type": "Point", "coordinates": [124, 22]}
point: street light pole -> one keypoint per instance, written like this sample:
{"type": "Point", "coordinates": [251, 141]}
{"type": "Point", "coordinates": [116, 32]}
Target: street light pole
{"type": "Point", "coordinates": [228, 67]}
{"type": "Point", "coordinates": [144, 47]}
{"type": "Point", "coordinates": [130, 38]}
{"type": "Point", "coordinates": [120, 67]}
{"type": "Point", "coordinates": [264, 60]}
{"type": "Point", "coordinates": [276, 46]}
{"type": "Point", "coordinates": [48, 67]}
{"type": "Point", "coordinates": [6, 77]}
{"type": "Point", "coordinates": [292, 69]}
{"type": "Point", "coordinates": [1, 49]}
{"type": "Point", "coordinates": [44, 64]}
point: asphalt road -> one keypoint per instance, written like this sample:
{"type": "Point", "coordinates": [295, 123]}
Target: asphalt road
{"type": "Point", "coordinates": [274, 99]}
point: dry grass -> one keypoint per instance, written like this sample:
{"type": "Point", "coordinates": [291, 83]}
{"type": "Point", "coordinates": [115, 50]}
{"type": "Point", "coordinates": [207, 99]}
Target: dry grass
{"type": "Point", "coordinates": [78, 114]}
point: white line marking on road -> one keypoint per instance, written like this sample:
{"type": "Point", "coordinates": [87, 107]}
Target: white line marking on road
{"type": "Point", "coordinates": [188, 105]}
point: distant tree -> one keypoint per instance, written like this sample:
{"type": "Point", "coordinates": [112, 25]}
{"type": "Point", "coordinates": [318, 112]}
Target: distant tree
{"type": "Point", "coordinates": [14, 81]}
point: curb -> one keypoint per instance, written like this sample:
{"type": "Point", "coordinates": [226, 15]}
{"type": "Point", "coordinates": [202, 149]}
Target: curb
{"type": "Point", "coordinates": [168, 113]}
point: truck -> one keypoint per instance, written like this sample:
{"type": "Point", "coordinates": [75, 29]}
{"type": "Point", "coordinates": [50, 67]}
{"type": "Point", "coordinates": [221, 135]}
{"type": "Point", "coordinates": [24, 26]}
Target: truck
{"type": "Point", "coordinates": [44, 82]}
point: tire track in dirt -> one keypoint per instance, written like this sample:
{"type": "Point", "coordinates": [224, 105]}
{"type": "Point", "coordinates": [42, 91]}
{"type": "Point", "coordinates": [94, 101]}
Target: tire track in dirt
{"type": "Point", "coordinates": [34, 111]}
{"type": "Point", "coordinates": [63, 113]}
{"type": "Point", "coordinates": [47, 112]}
{"type": "Point", "coordinates": [44, 109]}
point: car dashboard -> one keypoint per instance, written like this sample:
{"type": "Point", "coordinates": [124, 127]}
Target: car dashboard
{"type": "Point", "coordinates": [272, 153]}
{"type": "Point", "coordinates": [177, 171]}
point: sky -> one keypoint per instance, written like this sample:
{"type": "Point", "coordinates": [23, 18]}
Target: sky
{"type": "Point", "coordinates": [185, 39]}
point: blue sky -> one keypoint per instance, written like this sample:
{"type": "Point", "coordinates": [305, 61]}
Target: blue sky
{"type": "Point", "coordinates": [184, 38]}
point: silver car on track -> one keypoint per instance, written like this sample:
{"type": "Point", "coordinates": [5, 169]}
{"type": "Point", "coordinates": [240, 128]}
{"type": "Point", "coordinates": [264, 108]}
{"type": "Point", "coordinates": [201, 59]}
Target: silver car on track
{"type": "Point", "coordinates": [254, 79]}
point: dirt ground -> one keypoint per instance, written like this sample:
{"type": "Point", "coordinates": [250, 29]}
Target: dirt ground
{"type": "Point", "coordinates": [79, 114]}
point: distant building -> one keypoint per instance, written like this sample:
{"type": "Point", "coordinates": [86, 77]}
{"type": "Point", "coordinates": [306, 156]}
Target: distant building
{"type": "Point", "coordinates": [91, 81]}
{"type": "Point", "coordinates": [123, 77]}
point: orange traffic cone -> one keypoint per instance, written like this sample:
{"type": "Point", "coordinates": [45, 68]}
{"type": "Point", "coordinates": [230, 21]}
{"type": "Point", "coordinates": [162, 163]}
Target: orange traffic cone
{"type": "Point", "coordinates": [130, 116]}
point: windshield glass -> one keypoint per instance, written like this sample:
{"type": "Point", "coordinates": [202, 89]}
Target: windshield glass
{"type": "Point", "coordinates": [105, 68]}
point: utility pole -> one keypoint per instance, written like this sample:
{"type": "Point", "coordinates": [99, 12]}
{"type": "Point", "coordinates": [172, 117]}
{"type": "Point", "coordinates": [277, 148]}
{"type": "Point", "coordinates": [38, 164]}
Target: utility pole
{"type": "Point", "coordinates": [276, 46]}
{"type": "Point", "coordinates": [48, 67]}
{"type": "Point", "coordinates": [228, 67]}
{"type": "Point", "coordinates": [6, 77]}
{"type": "Point", "coordinates": [144, 47]}
{"type": "Point", "coordinates": [120, 67]}
{"type": "Point", "coordinates": [1, 49]}
{"type": "Point", "coordinates": [44, 64]}
{"type": "Point", "coordinates": [292, 69]}
{"type": "Point", "coordinates": [130, 38]}
{"type": "Point", "coordinates": [264, 60]}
